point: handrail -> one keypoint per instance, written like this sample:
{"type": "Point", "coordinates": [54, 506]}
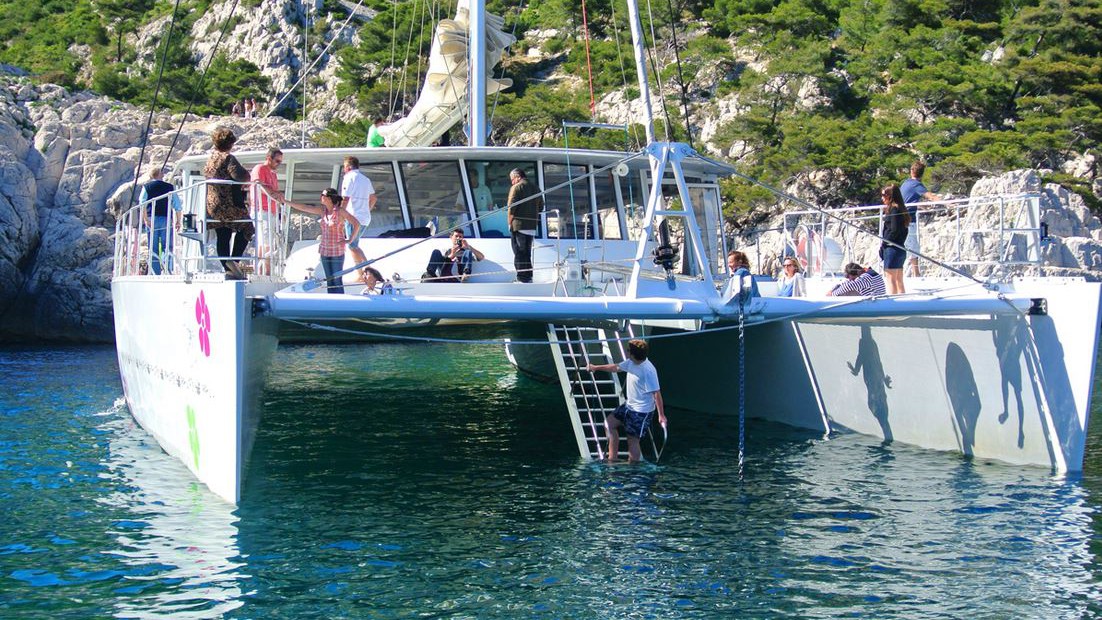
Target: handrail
{"type": "Point", "coordinates": [1005, 250]}
{"type": "Point", "coordinates": [186, 248]}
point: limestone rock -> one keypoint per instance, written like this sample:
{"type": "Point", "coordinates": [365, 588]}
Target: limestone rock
{"type": "Point", "coordinates": [18, 226]}
{"type": "Point", "coordinates": [67, 166]}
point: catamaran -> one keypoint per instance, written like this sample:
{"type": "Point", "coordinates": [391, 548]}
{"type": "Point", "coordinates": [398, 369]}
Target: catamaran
{"type": "Point", "coordinates": [628, 245]}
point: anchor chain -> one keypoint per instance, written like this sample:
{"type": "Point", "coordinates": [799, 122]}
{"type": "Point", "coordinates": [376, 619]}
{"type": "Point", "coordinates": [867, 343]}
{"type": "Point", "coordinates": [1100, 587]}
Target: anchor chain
{"type": "Point", "coordinates": [741, 386]}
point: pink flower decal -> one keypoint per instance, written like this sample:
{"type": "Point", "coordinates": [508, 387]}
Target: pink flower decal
{"type": "Point", "coordinates": [202, 317]}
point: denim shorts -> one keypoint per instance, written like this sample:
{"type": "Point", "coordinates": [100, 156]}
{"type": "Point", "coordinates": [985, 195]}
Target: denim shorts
{"type": "Point", "coordinates": [354, 243]}
{"type": "Point", "coordinates": [894, 257]}
{"type": "Point", "coordinates": [635, 423]}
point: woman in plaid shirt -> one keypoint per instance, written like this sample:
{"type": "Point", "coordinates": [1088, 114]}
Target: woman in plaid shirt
{"type": "Point", "coordinates": [332, 242]}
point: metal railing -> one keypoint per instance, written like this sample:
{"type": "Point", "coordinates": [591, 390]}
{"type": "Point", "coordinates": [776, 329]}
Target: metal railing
{"type": "Point", "coordinates": [183, 242]}
{"type": "Point", "coordinates": [997, 233]}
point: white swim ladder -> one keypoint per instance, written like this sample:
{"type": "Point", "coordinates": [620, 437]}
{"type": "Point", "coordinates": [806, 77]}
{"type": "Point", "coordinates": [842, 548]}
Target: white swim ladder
{"type": "Point", "coordinates": [590, 397]}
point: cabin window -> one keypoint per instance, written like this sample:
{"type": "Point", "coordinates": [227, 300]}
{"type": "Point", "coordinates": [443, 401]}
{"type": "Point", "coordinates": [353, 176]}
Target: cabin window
{"type": "Point", "coordinates": [708, 217]}
{"type": "Point", "coordinates": [434, 192]}
{"type": "Point", "coordinates": [489, 187]}
{"type": "Point", "coordinates": [308, 179]}
{"type": "Point", "coordinates": [387, 214]}
{"type": "Point", "coordinates": [608, 211]}
{"type": "Point", "coordinates": [569, 213]}
{"type": "Point", "coordinates": [489, 183]}
{"type": "Point", "coordinates": [635, 203]}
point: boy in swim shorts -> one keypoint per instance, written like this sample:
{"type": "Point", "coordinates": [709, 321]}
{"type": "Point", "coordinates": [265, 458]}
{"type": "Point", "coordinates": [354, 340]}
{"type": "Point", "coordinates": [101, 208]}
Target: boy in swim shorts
{"type": "Point", "coordinates": [643, 399]}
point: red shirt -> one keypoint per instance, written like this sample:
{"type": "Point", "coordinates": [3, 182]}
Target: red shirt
{"type": "Point", "coordinates": [267, 177]}
{"type": "Point", "coordinates": [332, 234]}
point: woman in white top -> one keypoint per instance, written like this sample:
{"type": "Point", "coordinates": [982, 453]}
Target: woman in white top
{"type": "Point", "coordinates": [791, 282]}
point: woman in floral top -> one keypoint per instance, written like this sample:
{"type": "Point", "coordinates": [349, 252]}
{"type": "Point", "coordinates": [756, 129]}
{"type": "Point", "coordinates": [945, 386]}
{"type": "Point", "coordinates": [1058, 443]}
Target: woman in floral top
{"type": "Point", "coordinates": [332, 243]}
{"type": "Point", "coordinates": [226, 212]}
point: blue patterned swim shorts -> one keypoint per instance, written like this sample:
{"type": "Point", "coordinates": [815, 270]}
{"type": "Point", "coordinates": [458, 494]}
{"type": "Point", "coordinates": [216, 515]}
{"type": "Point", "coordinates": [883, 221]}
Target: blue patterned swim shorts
{"type": "Point", "coordinates": [635, 423]}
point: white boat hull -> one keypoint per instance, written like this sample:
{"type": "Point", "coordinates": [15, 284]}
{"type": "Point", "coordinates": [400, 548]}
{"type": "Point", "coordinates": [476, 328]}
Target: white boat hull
{"type": "Point", "coordinates": [1001, 386]}
{"type": "Point", "coordinates": [193, 360]}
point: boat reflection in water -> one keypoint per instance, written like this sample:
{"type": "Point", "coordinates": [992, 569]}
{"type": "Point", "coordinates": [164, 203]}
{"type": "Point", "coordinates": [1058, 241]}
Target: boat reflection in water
{"type": "Point", "coordinates": [181, 541]}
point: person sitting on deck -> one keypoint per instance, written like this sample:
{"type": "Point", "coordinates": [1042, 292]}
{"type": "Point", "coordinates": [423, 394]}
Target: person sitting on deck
{"type": "Point", "coordinates": [454, 264]}
{"type": "Point", "coordinates": [741, 281]}
{"type": "Point", "coordinates": [375, 284]}
{"type": "Point", "coordinates": [859, 282]}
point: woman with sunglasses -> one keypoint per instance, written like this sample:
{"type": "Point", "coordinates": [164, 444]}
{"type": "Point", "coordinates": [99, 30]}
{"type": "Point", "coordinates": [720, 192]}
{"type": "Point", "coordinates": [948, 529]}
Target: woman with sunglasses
{"type": "Point", "coordinates": [332, 243]}
{"type": "Point", "coordinates": [896, 220]}
{"type": "Point", "coordinates": [791, 282]}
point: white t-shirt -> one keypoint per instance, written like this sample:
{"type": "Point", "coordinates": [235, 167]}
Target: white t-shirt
{"type": "Point", "coordinates": [642, 384]}
{"type": "Point", "coordinates": [357, 188]}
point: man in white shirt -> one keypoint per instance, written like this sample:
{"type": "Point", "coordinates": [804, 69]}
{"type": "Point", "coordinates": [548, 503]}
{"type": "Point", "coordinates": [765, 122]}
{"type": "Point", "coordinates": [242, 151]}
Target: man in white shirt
{"type": "Point", "coordinates": [643, 397]}
{"type": "Point", "coordinates": [359, 200]}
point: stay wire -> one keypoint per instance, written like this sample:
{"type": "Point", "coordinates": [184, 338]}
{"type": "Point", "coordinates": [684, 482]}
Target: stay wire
{"type": "Point", "coordinates": [306, 72]}
{"type": "Point", "coordinates": [393, 52]}
{"type": "Point", "coordinates": [634, 131]}
{"type": "Point", "coordinates": [202, 82]}
{"type": "Point", "coordinates": [153, 104]}
{"type": "Point", "coordinates": [497, 93]}
{"type": "Point", "coordinates": [839, 219]}
{"type": "Point", "coordinates": [657, 71]}
{"type": "Point", "coordinates": [681, 75]}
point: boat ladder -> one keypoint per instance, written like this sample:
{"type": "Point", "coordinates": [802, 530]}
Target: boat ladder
{"type": "Point", "coordinates": [590, 397]}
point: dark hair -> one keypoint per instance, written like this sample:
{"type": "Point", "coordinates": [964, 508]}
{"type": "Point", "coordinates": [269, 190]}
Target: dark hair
{"type": "Point", "coordinates": [274, 152]}
{"type": "Point", "coordinates": [374, 273]}
{"type": "Point", "coordinates": [917, 169]}
{"type": "Point", "coordinates": [896, 203]}
{"type": "Point", "coordinates": [332, 194]}
{"type": "Point", "coordinates": [740, 258]}
{"type": "Point", "coordinates": [854, 270]}
{"type": "Point", "coordinates": [352, 162]}
{"type": "Point", "coordinates": [223, 139]}
{"type": "Point", "coordinates": [638, 349]}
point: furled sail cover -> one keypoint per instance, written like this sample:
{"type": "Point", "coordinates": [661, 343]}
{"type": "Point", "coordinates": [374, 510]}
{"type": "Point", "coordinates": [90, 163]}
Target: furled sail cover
{"type": "Point", "coordinates": [444, 96]}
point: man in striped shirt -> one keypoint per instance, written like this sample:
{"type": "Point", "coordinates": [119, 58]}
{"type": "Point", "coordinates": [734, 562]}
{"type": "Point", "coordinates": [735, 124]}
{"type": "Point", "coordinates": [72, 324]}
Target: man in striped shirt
{"type": "Point", "coordinates": [859, 282]}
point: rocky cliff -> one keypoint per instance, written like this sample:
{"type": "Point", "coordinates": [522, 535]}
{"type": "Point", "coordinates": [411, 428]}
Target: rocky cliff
{"type": "Point", "coordinates": [67, 163]}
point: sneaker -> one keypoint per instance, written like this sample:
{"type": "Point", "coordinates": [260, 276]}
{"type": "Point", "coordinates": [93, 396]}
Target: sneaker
{"type": "Point", "coordinates": [427, 276]}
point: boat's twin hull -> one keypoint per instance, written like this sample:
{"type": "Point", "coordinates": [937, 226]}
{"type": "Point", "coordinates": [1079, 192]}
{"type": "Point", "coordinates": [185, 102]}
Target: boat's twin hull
{"type": "Point", "coordinates": [1003, 385]}
{"type": "Point", "coordinates": [193, 359]}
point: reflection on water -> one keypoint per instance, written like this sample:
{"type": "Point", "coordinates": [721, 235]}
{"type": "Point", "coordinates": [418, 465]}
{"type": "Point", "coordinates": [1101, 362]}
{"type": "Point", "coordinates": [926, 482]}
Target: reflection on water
{"type": "Point", "coordinates": [397, 480]}
{"type": "Point", "coordinates": [180, 535]}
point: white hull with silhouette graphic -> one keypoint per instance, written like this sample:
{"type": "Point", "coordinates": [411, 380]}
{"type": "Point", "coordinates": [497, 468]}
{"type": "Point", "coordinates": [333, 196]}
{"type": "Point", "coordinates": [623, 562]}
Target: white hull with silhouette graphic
{"type": "Point", "coordinates": [626, 242]}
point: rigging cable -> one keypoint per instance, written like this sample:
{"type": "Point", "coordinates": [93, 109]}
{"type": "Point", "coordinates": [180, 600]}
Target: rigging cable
{"type": "Point", "coordinates": [840, 220]}
{"type": "Point", "coordinates": [657, 72]}
{"type": "Point", "coordinates": [393, 51]}
{"type": "Point", "coordinates": [153, 104]}
{"type": "Point", "coordinates": [588, 62]}
{"type": "Point", "coordinates": [202, 82]}
{"type": "Point", "coordinates": [634, 131]}
{"type": "Point", "coordinates": [306, 72]}
{"type": "Point", "coordinates": [497, 93]}
{"type": "Point", "coordinates": [681, 75]}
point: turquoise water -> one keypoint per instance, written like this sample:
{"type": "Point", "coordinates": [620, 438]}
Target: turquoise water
{"type": "Point", "coordinates": [392, 481]}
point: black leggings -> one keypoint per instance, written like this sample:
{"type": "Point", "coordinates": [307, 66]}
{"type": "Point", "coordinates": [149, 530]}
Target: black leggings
{"type": "Point", "coordinates": [241, 240]}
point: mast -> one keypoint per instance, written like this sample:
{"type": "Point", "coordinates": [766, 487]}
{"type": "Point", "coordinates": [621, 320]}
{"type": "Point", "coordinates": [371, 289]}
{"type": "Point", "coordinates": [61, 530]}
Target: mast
{"type": "Point", "coordinates": [641, 67]}
{"type": "Point", "coordinates": [476, 70]}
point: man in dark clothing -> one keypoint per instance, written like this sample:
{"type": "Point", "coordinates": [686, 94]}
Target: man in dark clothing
{"type": "Point", "coordinates": [156, 218]}
{"type": "Point", "coordinates": [523, 220]}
